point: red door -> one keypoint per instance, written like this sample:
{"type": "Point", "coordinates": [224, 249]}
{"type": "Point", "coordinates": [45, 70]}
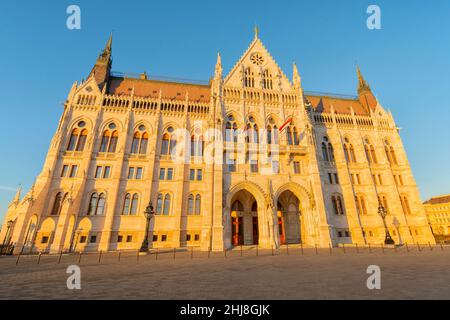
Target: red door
{"type": "Point", "coordinates": [281, 230]}
{"type": "Point", "coordinates": [237, 231]}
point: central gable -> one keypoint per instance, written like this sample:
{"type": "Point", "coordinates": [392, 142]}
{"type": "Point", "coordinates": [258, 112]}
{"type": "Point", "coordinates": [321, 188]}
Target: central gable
{"type": "Point", "coordinates": [258, 63]}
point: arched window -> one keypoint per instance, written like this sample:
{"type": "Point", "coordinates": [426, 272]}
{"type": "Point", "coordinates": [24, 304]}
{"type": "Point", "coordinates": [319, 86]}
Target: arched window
{"type": "Point", "coordinates": [191, 204]}
{"type": "Point", "coordinates": [198, 204]}
{"type": "Point", "coordinates": [159, 204]}
{"type": "Point", "coordinates": [231, 129]}
{"type": "Point", "coordinates": [166, 205]}
{"type": "Point", "coordinates": [73, 140]}
{"type": "Point", "coordinates": [169, 142]}
{"type": "Point", "coordinates": [338, 205]}
{"type": "Point", "coordinates": [249, 78]}
{"type": "Point", "coordinates": [197, 145]}
{"type": "Point", "coordinates": [135, 144]}
{"type": "Point", "coordinates": [361, 204]}
{"type": "Point", "coordinates": [349, 151]}
{"type": "Point", "coordinates": [134, 204]}
{"type": "Point", "coordinates": [105, 141]}
{"type": "Point", "coordinates": [370, 152]}
{"type": "Point", "coordinates": [140, 141]}
{"type": "Point", "coordinates": [81, 140]}
{"type": "Point", "coordinates": [252, 132]}
{"type": "Point", "coordinates": [113, 142]}
{"type": "Point", "coordinates": [292, 136]}
{"type": "Point", "coordinates": [405, 204]}
{"type": "Point", "coordinates": [327, 150]}
{"type": "Point", "coordinates": [77, 140]}
{"type": "Point", "coordinates": [237, 206]}
{"type": "Point", "coordinates": [57, 205]}
{"type": "Point", "coordinates": [109, 141]}
{"type": "Point", "coordinates": [390, 153]}
{"type": "Point", "coordinates": [163, 204]}
{"type": "Point", "coordinates": [126, 204]}
{"type": "Point", "coordinates": [267, 80]}
{"type": "Point", "coordinates": [97, 204]}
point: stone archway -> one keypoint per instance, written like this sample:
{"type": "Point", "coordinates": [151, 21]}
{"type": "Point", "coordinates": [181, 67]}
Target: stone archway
{"type": "Point", "coordinates": [299, 219]}
{"type": "Point", "coordinates": [244, 219]}
{"type": "Point", "coordinates": [255, 223]}
{"type": "Point", "coordinates": [288, 218]}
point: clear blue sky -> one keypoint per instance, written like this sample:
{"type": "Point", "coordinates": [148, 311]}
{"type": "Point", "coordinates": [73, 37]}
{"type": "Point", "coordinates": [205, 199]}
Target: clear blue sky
{"type": "Point", "coordinates": [407, 63]}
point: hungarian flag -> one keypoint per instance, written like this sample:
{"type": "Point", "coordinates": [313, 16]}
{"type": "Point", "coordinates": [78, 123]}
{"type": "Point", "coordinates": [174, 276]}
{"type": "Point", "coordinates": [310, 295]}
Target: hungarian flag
{"type": "Point", "coordinates": [288, 122]}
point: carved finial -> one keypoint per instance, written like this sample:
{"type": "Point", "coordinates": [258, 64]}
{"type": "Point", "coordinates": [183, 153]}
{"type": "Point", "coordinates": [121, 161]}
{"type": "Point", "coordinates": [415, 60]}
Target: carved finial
{"type": "Point", "coordinates": [218, 71]}
{"type": "Point", "coordinates": [296, 79]}
{"type": "Point", "coordinates": [256, 31]}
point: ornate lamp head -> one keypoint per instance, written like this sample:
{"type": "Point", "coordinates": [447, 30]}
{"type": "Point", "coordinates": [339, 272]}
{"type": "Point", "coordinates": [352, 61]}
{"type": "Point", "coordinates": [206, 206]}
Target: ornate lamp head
{"type": "Point", "coordinates": [149, 212]}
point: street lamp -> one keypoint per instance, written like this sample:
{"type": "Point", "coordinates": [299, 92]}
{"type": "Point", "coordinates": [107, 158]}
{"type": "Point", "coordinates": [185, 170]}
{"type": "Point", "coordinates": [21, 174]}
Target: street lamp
{"type": "Point", "coordinates": [8, 226]}
{"type": "Point", "coordinates": [148, 213]}
{"type": "Point", "coordinates": [382, 212]}
{"type": "Point", "coordinates": [77, 233]}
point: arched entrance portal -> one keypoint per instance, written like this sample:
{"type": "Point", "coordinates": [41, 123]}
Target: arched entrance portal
{"type": "Point", "coordinates": [244, 219]}
{"type": "Point", "coordinates": [288, 215]}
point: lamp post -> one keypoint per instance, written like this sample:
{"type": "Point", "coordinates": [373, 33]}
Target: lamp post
{"type": "Point", "coordinates": [382, 212]}
{"type": "Point", "coordinates": [148, 213]}
{"type": "Point", "coordinates": [8, 226]}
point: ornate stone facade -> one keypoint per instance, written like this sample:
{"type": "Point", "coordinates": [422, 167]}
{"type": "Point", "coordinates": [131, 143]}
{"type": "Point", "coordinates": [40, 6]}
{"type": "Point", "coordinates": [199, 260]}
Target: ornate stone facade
{"type": "Point", "coordinates": [248, 158]}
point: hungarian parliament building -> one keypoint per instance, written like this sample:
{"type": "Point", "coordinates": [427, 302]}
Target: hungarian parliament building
{"type": "Point", "coordinates": [247, 158]}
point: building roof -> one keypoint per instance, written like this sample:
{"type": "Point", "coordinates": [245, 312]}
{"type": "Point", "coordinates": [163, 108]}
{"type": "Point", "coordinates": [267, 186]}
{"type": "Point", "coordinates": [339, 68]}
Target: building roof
{"type": "Point", "coordinates": [340, 105]}
{"type": "Point", "coordinates": [151, 89]}
{"type": "Point", "coordinates": [439, 199]}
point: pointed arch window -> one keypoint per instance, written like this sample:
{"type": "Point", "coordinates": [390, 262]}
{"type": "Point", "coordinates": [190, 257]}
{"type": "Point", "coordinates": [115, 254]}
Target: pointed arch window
{"type": "Point", "coordinates": [140, 142]}
{"type": "Point", "coordinates": [249, 78]}
{"type": "Point", "coordinates": [58, 203]}
{"type": "Point", "coordinates": [292, 136]}
{"type": "Point", "coordinates": [349, 151]}
{"type": "Point", "coordinates": [130, 205]}
{"type": "Point", "coordinates": [77, 140]}
{"type": "Point", "coordinates": [327, 150]}
{"type": "Point", "coordinates": [194, 204]}
{"type": "Point", "coordinates": [370, 152]}
{"type": "Point", "coordinates": [109, 141]}
{"type": "Point", "coordinates": [169, 142]}
{"type": "Point", "coordinates": [97, 204]}
{"type": "Point", "coordinates": [267, 80]}
{"type": "Point", "coordinates": [197, 145]}
{"type": "Point", "coordinates": [163, 204]}
{"type": "Point", "coordinates": [390, 153]}
{"type": "Point", "coordinates": [252, 132]}
{"type": "Point", "coordinates": [338, 205]}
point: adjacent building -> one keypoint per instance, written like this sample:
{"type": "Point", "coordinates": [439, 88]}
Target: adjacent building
{"type": "Point", "coordinates": [438, 214]}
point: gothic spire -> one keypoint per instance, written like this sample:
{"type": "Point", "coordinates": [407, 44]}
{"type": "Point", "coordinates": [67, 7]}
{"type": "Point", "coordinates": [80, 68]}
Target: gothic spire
{"type": "Point", "coordinates": [362, 84]}
{"type": "Point", "coordinates": [102, 68]}
{"type": "Point", "coordinates": [365, 95]}
{"type": "Point", "coordinates": [296, 79]}
{"type": "Point", "coordinates": [218, 71]}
